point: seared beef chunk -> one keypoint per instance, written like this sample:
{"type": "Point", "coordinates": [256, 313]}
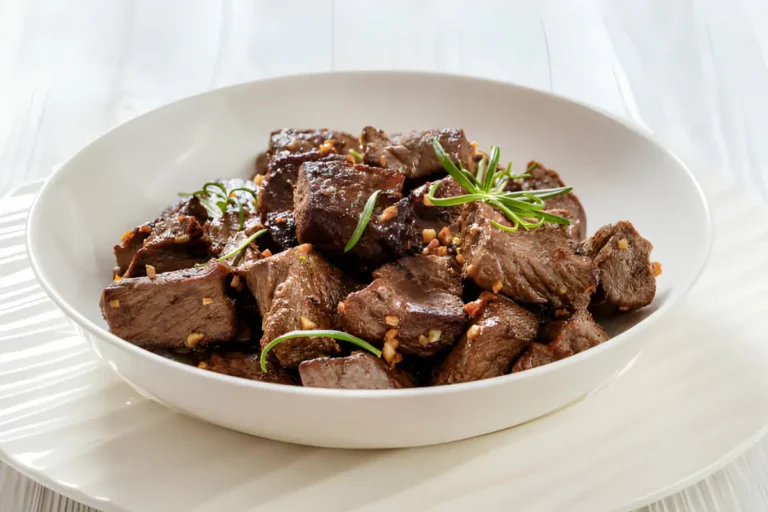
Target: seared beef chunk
{"type": "Point", "coordinates": [276, 194]}
{"type": "Point", "coordinates": [499, 332]}
{"type": "Point", "coordinates": [428, 216]}
{"type": "Point", "coordinates": [541, 178]}
{"type": "Point", "coordinates": [170, 218]}
{"type": "Point", "coordinates": [536, 355]}
{"type": "Point", "coordinates": [246, 366]}
{"type": "Point", "coordinates": [627, 279]}
{"type": "Point", "coordinates": [565, 338]}
{"type": "Point", "coordinates": [360, 370]}
{"type": "Point", "coordinates": [417, 296]}
{"type": "Point", "coordinates": [223, 228]}
{"type": "Point", "coordinates": [292, 140]}
{"type": "Point", "coordinates": [536, 266]}
{"type": "Point", "coordinates": [412, 154]}
{"type": "Point", "coordinates": [297, 289]}
{"type": "Point", "coordinates": [185, 308]}
{"type": "Point", "coordinates": [330, 198]}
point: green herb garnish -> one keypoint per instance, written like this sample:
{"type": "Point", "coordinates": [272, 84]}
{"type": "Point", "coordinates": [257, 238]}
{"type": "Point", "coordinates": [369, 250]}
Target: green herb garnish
{"type": "Point", "coordinates": [488, 185]}
{"type": "Point", "coordinates": [365, 217]}
{"type": "Point", "coordinates": [336, 335]}
{"type": "Point", "coordinates": [216, 198]}
{"type": "Point", "coordinates": [357, 156]}
{"type": "Point", "coordinates": [240, 249]}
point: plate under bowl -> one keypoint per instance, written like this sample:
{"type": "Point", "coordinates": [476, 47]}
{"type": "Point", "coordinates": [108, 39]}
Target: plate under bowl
{"type": "Point", "coordinates": [132, 172]}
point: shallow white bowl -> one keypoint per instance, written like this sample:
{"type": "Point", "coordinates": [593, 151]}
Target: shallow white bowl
{"type": "Point", "coordinates": [132, 172]}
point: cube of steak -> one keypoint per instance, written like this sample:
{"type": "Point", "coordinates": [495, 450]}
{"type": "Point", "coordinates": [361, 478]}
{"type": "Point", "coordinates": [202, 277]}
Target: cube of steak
{"type": "Point", "coordinates": [330, 198]}
{"type": "Point", "coordinates": [537, 266]}
{"type": "Point", "coordinates": [185, 308]}
{"type": "Point", "coordinates": [295, 290]}
{"type": "Point", "coordinates": [247, 366]}
{"type": "Point", "coordinates": [537, 354]}
{"type": "Point", "coordinates": [293, 140]}
{"type": "Point", "coordinates": [133, 240]}
{"type": "Point", "coordinates": [564, 338]}
{"type": "Point", "coordinates": [627, 280]}
{"type": "Point", "coordinates": [498, 333]}
{"type": "Point", "coordinates": [542, 178]}
{"type": "Point", "coordinates": [276, 194]}
{"type": "Point", "coordinates": [412, 154]}
{"type": "Point", "coordinates": [417, 296]}
{"type": "Point", "coordinates": [572, 335]}
{"type": "Point", "coordinates": [360, 370]}
{"type": "Point", "coordinates": [434, 217]}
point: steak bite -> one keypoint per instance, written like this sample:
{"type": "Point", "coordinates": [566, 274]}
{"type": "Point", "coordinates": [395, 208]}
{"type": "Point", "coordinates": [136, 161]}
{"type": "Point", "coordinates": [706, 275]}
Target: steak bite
{"type": "Point", "coordinates": [329, 200]}
{"type": "Point", "coordinates": [293, 140]}
{"type": "Point", "coordinates": [627, 279]}
{"type": "Point", "coordinates": [499, 331]}
{"type": "Point", "coordinates": [418, 297]}
{"type": "Point", "coordinates": [542, 178]}
{"type": "Point", "coordinates": [184, 308]}
{"type": "Point", "coordinates": [538, 266]}
{"type": "Point", "coordinates": [134, 240]}
{"type": "Point", "coordinates": [246, 366]}
{"type": "Point", "coordinates": [412, 154]}
{"type": "Point", "coordinates": [564, 338]}
{"type": "Point", "coordinates": [360, 370]}
{"type": "Point", "coordinates": [276, 194]}
{"type": "Point", "coordinates": [297, 290]}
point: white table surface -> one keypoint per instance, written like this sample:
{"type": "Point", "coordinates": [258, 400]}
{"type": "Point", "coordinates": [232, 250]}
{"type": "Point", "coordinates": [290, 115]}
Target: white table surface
{"type": "Point", "coordinates": [692, 71]}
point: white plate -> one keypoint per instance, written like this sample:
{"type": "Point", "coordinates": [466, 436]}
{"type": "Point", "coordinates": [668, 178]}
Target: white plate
{"type": "Point", "coordinates": [696, 398]}
{"type": "Point", "coordinates": [131, 173]}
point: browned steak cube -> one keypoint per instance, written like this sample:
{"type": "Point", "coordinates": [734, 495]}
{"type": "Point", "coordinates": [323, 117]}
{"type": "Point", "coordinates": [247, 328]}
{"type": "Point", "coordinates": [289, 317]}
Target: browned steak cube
{"type": "Point", "coordinates": [542, 178]}
{"type": "Point", "coordinates": [293, 140]}
{"type": "Point", "coordinates": [360, 370]}
{"type": "Point", "coordinates": [536, 355]}
{"type": "Point", "coordinates": [134, 240]}
{"type": "Point", "coordinates": [538, 266]}
{"type": "Point", "coordinates": [627, 279]}
{"type": "Point", "coordinates": [500, 330]}
{"type": "Point", "coordinates": [276, 194]}
{"type": "Point", "coordinates": [246, 366]}
{"type": "Point", "coordinates": [330, 198]}
{"type": "Point", "coordinates": [297, 290]}
{"type": "Point", "coordinates": [184, 308]}
{"type": "Point", "coordinates": [418, 296]}
{"type": "Point", "coordinates": [564, 338]}
{"type": "Point", "coordinates": [412, 154]}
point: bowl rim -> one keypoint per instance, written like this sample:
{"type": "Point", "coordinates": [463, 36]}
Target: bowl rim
{"type": "Point", "coordinates": [32, 228]}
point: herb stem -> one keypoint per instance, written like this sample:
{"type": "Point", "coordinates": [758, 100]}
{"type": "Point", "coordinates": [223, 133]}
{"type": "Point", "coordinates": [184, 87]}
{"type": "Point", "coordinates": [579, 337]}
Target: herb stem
{"type": "Point", "coordinates": [336, 335]}
{"type": "Point", "coordinates": [365, 217]}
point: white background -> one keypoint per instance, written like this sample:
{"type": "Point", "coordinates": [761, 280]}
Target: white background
{"type": "Point", "coordinates": [692, 71]}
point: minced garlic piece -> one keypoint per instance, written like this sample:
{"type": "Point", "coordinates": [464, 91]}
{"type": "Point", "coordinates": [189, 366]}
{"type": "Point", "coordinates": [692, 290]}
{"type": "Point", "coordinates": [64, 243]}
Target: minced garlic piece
{"type": "Point", "coordinates": [267, 253]}
{"type": "Point", "coordinates": [116, 278]}
{"type": "Point", "coordinates": [194, 338]}
{"type": "Point", "coordinates": [388, 213]}
{"type": "Point", "coordinates": [473, 144]}
{"type": "Point", "coordinates": [181, 239]}
{"type": "Point", "coordinates": [497, 286]}
{"type": "Point", "coordinates": [656, 269]}
{"type": "Point", "coordinates": [202, 364]}
{"type": "Point", "coordinates": [259, 179]}
{"type": "Point", "coordinates": [442, 250]}
{"type": "Point", "coordinates": [340, 307]}
{"type": "Point", "coordinates": [460, 259]}
{"type": "Point", "coordinates": [427, 202]}
{"type": "Point", "coordinates": [145, 229]}
{"type": "Point", "coordinates": [391, 334]}
{"type": "Point", "coordinates": [445, 236]}
{"type": "Point", "coordinates": [235, 281]}
{"type": "Point", "coordinates": [623, 243]}
{"type": "Point", "coordinates": [307, 324]}
{"type": "Point", "coordinates": [474, 229]}
{"type": "Point", "coordinates": [428, 235]}
{"type": "Point", "coordinates": [434, 335]}
{"type": "Point", "coordinates": [473, 332]}
{"type": "Point", "coordinates": [207, 300]}
{"type": "Point", "coordinates": [151, 272]}
{"type": "Point", "coordinates": [423, 340]}
{"type": "Point", "coordinates": [383, 161]}
{"type": "Point", "coordinates": [389, 352]}
{"type": "Point", "coordinates": [114, 303]}
{"type": "Point", "coordinates": [391, 320]}
{"type": "Point", "coordinates": [456, 241]}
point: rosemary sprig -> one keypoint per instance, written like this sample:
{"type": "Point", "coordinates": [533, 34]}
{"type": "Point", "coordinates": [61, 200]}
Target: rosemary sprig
{"type": "Point", "coordinates": [522, 209]}
{"type": "Point", "coordinates": [362, 223]}
{"type": "Point", "coordinates": [241, 248]}
{"type": "Point", "coordinates": [356, 155]}
{"type": "Point", "coordinates": [217, 201]}
{"type": "Point", "coordinates": [336, 335]}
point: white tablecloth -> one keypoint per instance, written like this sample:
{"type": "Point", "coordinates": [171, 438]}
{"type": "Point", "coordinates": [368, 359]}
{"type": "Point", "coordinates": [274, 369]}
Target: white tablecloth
{"type": "Point", "coordinates": [692, 71]}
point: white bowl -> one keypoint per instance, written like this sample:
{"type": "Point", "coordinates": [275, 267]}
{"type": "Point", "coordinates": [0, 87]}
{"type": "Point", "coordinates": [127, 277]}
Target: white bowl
{"type": "Point", "coordinates": [131, 173]}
